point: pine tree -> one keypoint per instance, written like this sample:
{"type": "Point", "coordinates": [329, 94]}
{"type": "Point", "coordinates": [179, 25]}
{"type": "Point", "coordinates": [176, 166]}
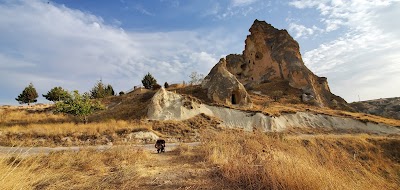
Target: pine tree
{"type": "Point", "coordinates": [56, 94]}
{"type": "Point", "coordinates": [100, 90]}
{"type": "Point", "coordinates": [149, 81]}
{"type": "Point", "coordinates": [28, 95]}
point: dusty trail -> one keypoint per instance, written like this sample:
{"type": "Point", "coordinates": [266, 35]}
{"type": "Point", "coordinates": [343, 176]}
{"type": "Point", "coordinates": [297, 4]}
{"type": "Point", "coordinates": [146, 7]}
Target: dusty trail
{"type": "Point", "coordinates": [174, 169]}
{"type": "Point", "coordinates": [25, 151]}
{"type": "Point", "coordinates": [171, 170]}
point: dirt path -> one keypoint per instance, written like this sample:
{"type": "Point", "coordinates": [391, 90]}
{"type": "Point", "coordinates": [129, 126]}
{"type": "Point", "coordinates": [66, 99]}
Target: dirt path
{"type": "Point", "coordinates": [171, 170]}
{"type": "Point", "coordinates": [25, 151]}
{"type": "Point", "coordinates": [174, 169]}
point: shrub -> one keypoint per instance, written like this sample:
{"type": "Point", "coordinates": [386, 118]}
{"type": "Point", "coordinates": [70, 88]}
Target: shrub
{"type": "Point", "coordinates": [166, 85]}
{"type": "Point", "coordinates": [156, 87]}
{"type": "Point", "coordinates": [78, 105]}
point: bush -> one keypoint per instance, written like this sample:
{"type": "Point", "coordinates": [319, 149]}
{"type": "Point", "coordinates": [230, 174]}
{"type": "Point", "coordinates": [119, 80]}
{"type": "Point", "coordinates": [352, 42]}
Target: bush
{"type": "Point", "coordinates": [78, 105]}
{"type": "Point", "coordinates": [166, 85]}
{"type": "Point", "coordinates": [121, 93]}
{"type": "Point", "coordinates": [156, 87]}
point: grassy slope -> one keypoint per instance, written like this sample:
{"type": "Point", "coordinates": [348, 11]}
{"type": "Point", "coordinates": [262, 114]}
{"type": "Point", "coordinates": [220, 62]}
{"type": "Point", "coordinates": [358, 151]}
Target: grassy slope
{"type": "Point", "coordinates": [276, 161]}
{"type": "Point", "coordinates": [225, 160]}
{"type": "Point", "coordinates": [125, 115]}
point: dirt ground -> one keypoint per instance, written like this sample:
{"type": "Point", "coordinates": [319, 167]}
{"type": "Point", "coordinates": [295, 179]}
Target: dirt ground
{"type": "Point", "coordinates": [177, 168]}
{"type": "Point", "coordinates": [170, 171]}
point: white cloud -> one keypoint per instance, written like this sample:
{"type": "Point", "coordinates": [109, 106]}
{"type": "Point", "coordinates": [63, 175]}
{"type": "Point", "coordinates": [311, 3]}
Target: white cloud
{"type": "Point", "coordinates": [364, 60]}
{"type": "Point", "coordinates": [53, 45]}
{"type": "Point", "coordinates": [235, 8]}
{"type": "Point", "coordinates": [237, 3]}
{"type": "Point", "coordinates": [302, 31]}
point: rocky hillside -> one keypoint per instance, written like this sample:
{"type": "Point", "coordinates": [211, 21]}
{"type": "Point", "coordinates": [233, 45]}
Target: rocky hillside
{"type": "Point", "coordinates": [272, 55]}
{"type": "Point", "coordinates": [386, 107]}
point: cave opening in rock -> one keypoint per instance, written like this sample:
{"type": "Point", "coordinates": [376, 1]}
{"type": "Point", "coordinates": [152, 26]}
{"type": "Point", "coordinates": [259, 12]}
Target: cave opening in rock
{"type": "Point", "coordinates": [235, 98]}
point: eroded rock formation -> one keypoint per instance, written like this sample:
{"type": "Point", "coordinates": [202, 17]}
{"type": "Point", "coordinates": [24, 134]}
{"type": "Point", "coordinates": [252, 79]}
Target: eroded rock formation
{"type": "Point", "coordinates": [223, 87]}
{"type": "Point", "coordinates": [271, 54]}
{"type": "Point", "coordinates": [167, 105]}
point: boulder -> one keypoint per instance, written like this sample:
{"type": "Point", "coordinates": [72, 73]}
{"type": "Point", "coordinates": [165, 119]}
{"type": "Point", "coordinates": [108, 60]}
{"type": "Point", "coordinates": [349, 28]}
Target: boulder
{"type": "Point", "coordinates": [224, 88]}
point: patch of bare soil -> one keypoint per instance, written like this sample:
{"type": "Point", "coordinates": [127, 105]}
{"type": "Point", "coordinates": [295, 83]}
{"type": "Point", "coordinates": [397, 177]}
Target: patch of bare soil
{"type": "Point", "coordinates": [174, 170]}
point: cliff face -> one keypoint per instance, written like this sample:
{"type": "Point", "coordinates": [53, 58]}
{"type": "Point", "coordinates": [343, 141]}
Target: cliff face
{"type": "Point", "coordinates": [270, 55]}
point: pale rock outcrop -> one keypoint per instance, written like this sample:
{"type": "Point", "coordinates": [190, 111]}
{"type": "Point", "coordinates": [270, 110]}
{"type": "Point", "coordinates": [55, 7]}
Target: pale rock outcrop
{"type": "Point", "coordinates": [224, 88]}
{"type": "Point", "coordinates": [167, 105]}
{"type": "Point", "coordinates": [170, 106]}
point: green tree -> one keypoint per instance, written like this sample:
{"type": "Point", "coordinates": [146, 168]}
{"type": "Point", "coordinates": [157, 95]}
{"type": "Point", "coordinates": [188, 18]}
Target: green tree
{"type": "Point", "coordinates": [149, 81]}
{"type": "Point", "coordinates": [56, 94]}
{"type": "Point", "coordinates": [100, 90]}
{"type": "Point", "coordinates": [28, 95]}
{"type": "Point", "coordinates": [78, 105]}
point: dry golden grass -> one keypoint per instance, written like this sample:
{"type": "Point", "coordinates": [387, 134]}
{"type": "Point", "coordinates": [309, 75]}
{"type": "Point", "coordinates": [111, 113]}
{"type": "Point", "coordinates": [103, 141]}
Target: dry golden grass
{"type": "Point", "coordinates": [225, 160]}
{"type": "Point", "coordinates": [67, 134]}
{"type": "Point", "coordinates": [25, 116]}
{"type": "Point", "coordinates": [42, 128]}
{"type": "Point", "coordinates": [130, 106]}
{"type": "Point", "coordinates": [274, 161]}
{"type": "Point", "coordinates": [86, 169]}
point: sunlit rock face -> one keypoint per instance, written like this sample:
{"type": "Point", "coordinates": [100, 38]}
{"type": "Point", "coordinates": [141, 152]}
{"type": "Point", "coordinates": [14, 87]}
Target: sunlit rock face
{"type": "Point", "coordinates": [271, 54]}
{"type": "Point", "coordinates": [224, 88]}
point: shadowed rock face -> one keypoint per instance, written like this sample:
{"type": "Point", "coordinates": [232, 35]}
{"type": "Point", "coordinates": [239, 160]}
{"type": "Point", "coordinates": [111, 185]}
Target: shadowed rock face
{"type": "Point", "coordinates": [271, 54]}
{"type": "Point", "coordinates": [223, 87]}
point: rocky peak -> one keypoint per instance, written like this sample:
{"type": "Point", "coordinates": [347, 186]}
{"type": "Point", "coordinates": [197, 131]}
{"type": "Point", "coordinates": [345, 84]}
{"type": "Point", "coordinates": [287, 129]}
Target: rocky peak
{"type": "Point", "coordinates": [271, 54]}
{"type": "Point", "coordinates": [223, 87]}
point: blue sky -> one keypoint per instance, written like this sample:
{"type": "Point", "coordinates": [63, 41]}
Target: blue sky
{"type": "Point", "coordinates": [71, 43]}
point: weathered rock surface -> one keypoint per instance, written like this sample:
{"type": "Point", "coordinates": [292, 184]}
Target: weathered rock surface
{"type": "Point", "coordinates": [223, 87]}
{"type": "Point", "coordinates": [167, 105]}
{"type": "Point", "coordinates": [271, 54]}
{"type": "Point", "coordinates": [386, 107]}
{"type": "Point", "coordinates": [171, 106]}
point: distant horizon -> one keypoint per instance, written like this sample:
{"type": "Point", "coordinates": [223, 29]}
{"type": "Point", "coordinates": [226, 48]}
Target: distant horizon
{"type": "Point", "coordinates": [73, 44]}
